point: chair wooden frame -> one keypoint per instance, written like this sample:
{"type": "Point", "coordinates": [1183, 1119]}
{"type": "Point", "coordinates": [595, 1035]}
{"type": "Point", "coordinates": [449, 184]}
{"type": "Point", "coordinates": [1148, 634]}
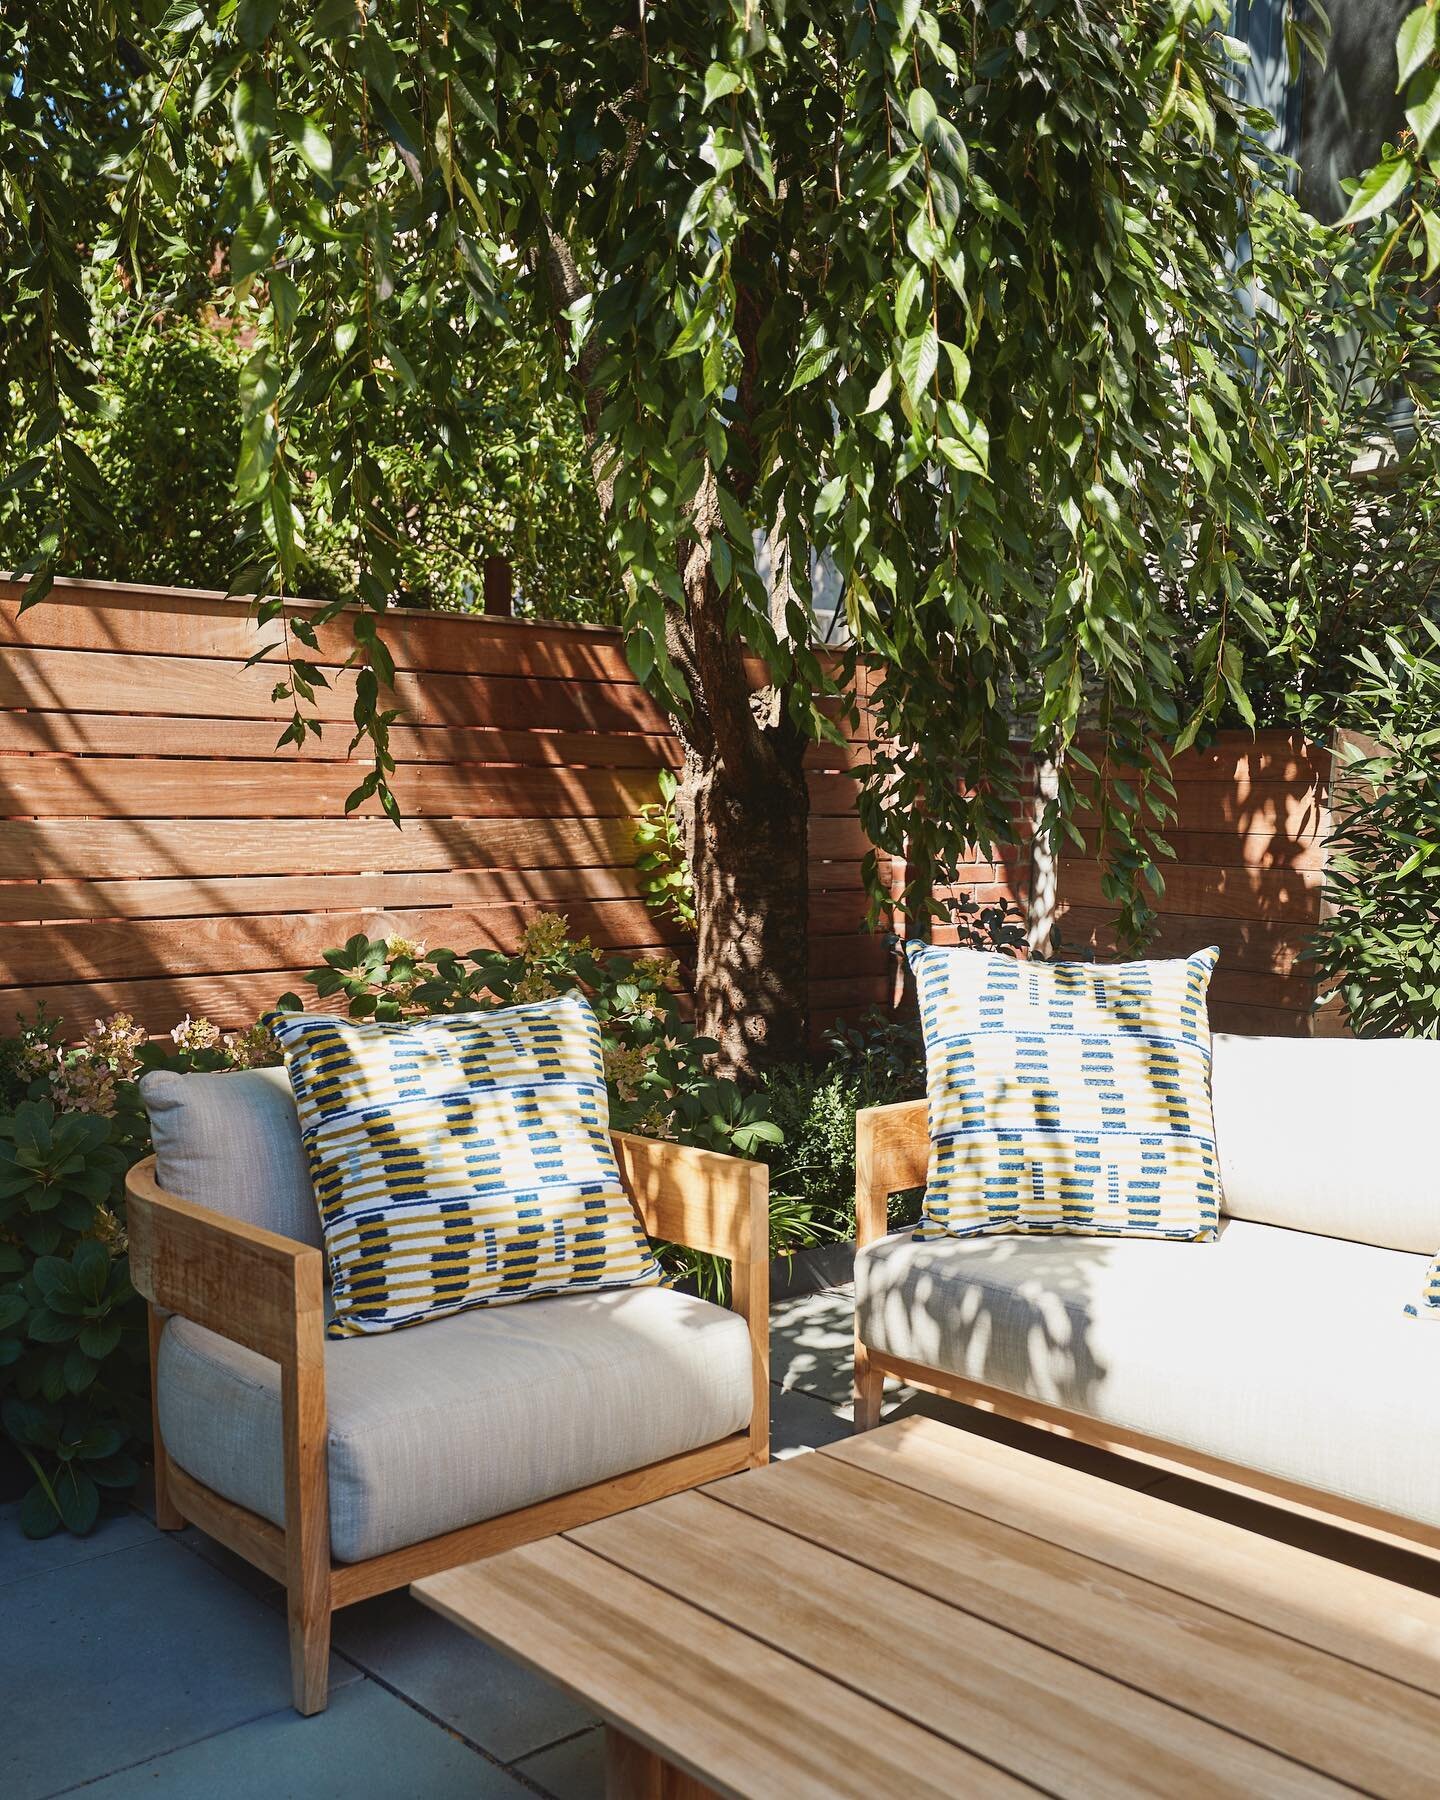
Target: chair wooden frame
{"type": "Point", "coordinates": [892, 1149]}
{"type": "Point", "coordinates": [266, 1292]}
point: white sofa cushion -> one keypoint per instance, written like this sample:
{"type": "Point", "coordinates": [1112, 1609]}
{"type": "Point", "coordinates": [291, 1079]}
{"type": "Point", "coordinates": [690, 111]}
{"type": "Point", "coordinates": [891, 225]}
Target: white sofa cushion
{"type": "Point", "coordinates": [1277, 1350]}
{"type": "Point", "coordinates": [470, 1416]}
{"type": "Point", "coordinates": [1336, 1135]}
{"type": "Point", "coordinates": [232, 1142]}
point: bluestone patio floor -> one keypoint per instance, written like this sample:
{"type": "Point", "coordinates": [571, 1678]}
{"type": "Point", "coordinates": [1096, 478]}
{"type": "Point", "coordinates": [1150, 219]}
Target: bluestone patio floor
{"type": "Point", "coordinates": [135, 1663]}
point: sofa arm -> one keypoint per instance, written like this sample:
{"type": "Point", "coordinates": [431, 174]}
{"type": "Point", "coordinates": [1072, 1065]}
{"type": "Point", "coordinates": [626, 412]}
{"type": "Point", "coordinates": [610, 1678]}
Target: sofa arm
{"type": "Point", "coordinates": [248, 1284]}
{"type": "Point", "coordinates": [892, 1152]}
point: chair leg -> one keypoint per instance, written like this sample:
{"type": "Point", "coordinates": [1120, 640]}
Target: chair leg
{"type": "Point", "coordinates": [167, 1515]}
{"type": "Point", "coordinates": [309, 1657]}
{"type": "Point", "coordinates": [869, 1388]}
{"type": "Point", "coordinates": [307, 1531]}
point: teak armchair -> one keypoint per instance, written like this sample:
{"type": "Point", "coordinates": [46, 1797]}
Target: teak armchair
{"type": "Point", "coordinates": [264, 1291]}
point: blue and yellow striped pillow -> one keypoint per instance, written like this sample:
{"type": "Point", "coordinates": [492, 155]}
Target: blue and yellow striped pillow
{"type": "Point", "coordinates": [461, 1161]}
{"type": "Point", "coordinates": [1429, 1303]}
{"type": "Point", "coordinates": [1067, 1097]}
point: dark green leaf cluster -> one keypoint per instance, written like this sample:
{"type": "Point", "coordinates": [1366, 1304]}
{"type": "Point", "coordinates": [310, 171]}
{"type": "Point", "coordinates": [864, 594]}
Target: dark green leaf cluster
{"type": "Point", "coordinates": [71, 1331]}
{"type": "Point", "coordinates": [1379, 943]}
{"type": "Point", "coordinates": [667, 882]}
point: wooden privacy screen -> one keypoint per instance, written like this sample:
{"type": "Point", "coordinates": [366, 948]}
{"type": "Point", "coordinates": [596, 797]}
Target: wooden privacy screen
{"type": "Point", "coordinates": [158, 856]}
{"type": "Point", "coordinates": [1249, 842]}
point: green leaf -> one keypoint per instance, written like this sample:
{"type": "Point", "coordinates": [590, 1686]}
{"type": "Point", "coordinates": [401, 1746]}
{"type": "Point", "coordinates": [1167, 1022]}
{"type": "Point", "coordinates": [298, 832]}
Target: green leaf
{"type": "Point", "coordinates": [814, 361]}
{"type": "Point", "coordinates": [39, 1516]}
{"type": "Point", "coordinates": [1380, 189]}
{"type": "Point", "coordinates": [255, 20]}
{"type": "Point", "coordinates": [1423, 112]}
{"type": "Point", "coordinates": [1415, 43]}
{"type": "Point", "coordinates": [921, 111]}
{"type": "Point", "coordinates": [719, 81]}
{"type": "Point", "coordinates": [919, 358]}
{"type": "Point", "coordinates": [181, 16]}
{"type": "Point", "coordinates": [79, 1500]}
{"type": "Point", "coordinates": [1430, 225]}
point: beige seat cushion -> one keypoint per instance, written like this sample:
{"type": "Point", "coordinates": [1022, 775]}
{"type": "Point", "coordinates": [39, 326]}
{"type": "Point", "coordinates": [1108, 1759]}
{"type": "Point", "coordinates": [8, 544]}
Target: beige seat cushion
{"type": "Point", "coordinates": [461, 1419]}
{"type": "Point", "coordinates": [1331, 1134]}
{"type": "Point", "coordinates": [232, 1142]}
{"type": "Point", "coordinates": [1277, 1350]}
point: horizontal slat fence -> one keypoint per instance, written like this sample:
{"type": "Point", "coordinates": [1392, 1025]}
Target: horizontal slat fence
{"type": "Point", "coordinates": [158, 856]}
{"type": "Point", "coordinates": [1249, 841]}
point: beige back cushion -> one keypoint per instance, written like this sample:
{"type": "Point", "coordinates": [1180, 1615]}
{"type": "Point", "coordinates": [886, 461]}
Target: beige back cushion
{"type": "Point", "coordinates": [232, 1142]}
{"type": "Point", "coordinates": [1339, 1136]}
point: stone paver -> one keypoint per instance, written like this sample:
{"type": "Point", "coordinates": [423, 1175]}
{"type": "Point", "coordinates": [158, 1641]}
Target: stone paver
{"type": "Point", "coordinates": [110, 1660]}
{"type": "Point", "coordinates": [487, 1698]}
{"type": "Point", "coordinates": [367, 1745]}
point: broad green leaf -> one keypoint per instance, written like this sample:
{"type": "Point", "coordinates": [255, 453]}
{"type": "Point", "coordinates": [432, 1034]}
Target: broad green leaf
{"type": "Point", "coordinates": [1380, 189]}
{"type": "Point", "coordinates": [720, 81]}
{"type": "Point", "coordinates": [919, 358]}
{"type": "Point", "coordinates": [1422, 114]}
{"type": "Point", "coordinates": [1416, 42]}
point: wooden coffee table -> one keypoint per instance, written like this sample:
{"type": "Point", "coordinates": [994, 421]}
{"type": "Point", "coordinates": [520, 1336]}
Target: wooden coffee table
{"type": "Point", "coordinates": [917, 1611]}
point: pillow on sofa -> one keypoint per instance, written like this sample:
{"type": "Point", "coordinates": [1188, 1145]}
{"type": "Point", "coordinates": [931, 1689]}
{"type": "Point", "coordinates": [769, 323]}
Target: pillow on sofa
{"type": "Point", "coordinates": [1429, 1303]}
{"type": "Point", "coordinates": [461, 1161]}
{"type": "Point", "coordinates": [1067, 1097]}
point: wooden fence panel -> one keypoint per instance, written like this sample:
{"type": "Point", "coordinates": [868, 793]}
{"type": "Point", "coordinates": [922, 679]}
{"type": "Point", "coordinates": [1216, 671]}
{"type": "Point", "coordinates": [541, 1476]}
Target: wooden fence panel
{"type": "Point", "coordinates": [1252, 814]}
{"type": "Point", "coordinates": [157, 856]}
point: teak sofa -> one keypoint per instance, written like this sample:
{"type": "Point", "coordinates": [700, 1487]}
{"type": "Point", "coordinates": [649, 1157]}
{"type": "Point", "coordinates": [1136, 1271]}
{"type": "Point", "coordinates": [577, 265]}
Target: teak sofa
{"type": "Point", "coordinates": [1279, 1358]}
{"type": "Point", "coordinates": [344, 1468]}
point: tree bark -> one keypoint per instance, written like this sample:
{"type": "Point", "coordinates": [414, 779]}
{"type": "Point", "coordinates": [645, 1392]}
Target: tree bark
{"type": "Point", "coordinates": [744, 808]}
{"type": "Point", "coordinates": [749, 852]}
{"type": "Point", "coordinates": [742, 800]}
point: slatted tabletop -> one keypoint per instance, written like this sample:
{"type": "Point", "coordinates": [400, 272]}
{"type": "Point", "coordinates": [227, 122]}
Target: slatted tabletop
{"type": "Point", "coordinates": [916, 1611]}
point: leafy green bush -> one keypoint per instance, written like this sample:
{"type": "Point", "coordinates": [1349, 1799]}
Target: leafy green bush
{"type": "Point", "coordinates": [1380, 943]}
{"type": "Point", "coordinates": [164, 441]}
{"type": "Point", "coordinates": [666, 880]}
{"type": "Point", "coordinates": [72, 1340]}
{"type": "Point", "coordinates": [72, 1329]}
{"type": "Point", "coordinates": [878, 1061]}
{"type": "Point", "coordinates": [654, 1062]}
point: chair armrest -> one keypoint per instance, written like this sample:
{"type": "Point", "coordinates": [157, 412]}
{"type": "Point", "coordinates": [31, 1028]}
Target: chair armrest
{"type": "Point", "coordinates": [252, 1286]}
{"type": "Point", "coordinates": [892, 1152]}
{"type": "Point", "coordinates": [708, 1201]}
{"type": "Point", "coordinates": [699, 1198]}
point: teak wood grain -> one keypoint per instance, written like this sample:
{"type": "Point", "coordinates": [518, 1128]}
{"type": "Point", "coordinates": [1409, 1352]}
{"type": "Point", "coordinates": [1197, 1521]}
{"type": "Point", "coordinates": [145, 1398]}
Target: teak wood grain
{"type": "Point", "coordinates": [731, 1712]}
{"type": "Point", "coordinates": [749, 1634]}
{"type": "Point", "coordinates": [979, 1685]}
{"type": "Point", "coordinates": [266, 1292]}
{"type": "Point", "coordinates": [1348, 1723]}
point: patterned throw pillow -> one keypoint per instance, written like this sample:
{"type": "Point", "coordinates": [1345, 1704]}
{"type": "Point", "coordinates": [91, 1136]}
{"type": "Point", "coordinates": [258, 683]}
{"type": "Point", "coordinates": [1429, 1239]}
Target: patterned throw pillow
{"type": "Point", "coordinates": [1429, 1306]}
{"type": "Point", "coordinates": [1067, 1097]}
{"type": "Point", "coordinates": [461, 1161]}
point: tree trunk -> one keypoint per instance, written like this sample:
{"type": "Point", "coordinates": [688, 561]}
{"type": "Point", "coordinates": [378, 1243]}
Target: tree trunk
{"type": "Point", "coordinates": [749, 852]}
{"type": "Point", "coordinates": [743, 804]}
